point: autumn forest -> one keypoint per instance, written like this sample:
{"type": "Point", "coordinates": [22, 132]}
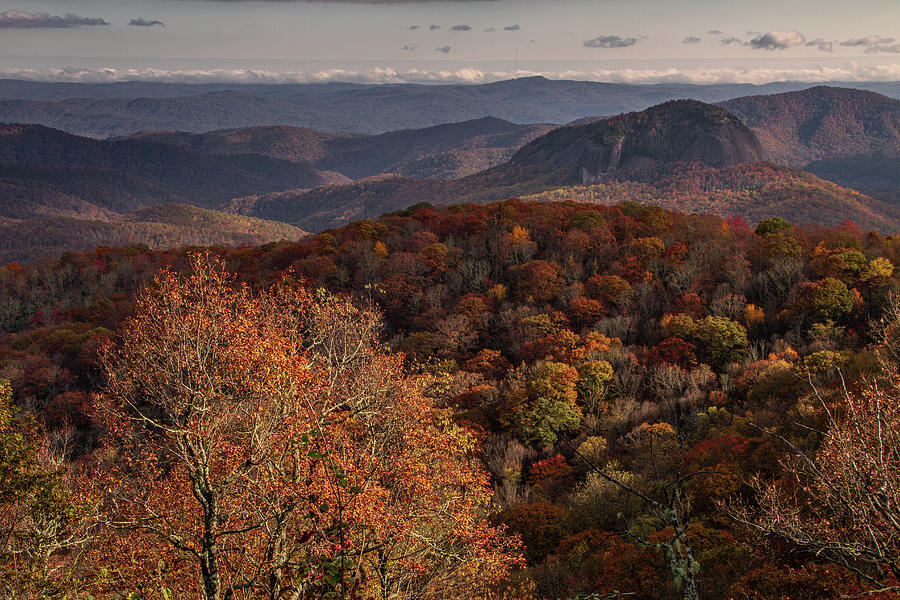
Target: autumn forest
{"type": "Point", "coordinates": [510, 400]}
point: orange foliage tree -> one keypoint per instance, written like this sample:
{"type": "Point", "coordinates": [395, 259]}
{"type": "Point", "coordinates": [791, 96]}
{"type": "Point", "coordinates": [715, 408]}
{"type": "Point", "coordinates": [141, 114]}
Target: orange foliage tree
{"type": "Point", "coordinates": [266, 445]}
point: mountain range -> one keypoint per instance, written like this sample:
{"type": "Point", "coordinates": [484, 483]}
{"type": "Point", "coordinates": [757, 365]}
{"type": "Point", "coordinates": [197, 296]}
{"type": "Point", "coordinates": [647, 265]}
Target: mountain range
{"type": "Point", "coordinates": [59, 190]}
{"type": "Point", "coordinates": [685, 155]}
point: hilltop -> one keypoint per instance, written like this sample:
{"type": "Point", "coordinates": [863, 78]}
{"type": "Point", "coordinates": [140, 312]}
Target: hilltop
{"type": "Point", "coordinates": [848, 136]}
{"type": "Point", "coordinates": [797, 128]}
{"type": "Point", "coordinates": [752, 191]}
{"type": "Point", "coordinates": [676, 131]}
{"type": "Point", "coordinates": [161, 226]}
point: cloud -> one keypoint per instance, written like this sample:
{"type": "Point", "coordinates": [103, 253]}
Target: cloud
{"type": "Point", "coordinates": [19, 19]}
{"type": "Point", "coordinates": [821, 44]}
{"type": "Point", "coordinates": [714, 32]}
{"type": "Point", "coordinates": [409, 47]}
{"type": "Point", "coordinates": [433, 27]}
{"type": "Point", "coordinates": [777, 40]}
{"type": "Point", "coordinates": [413, 27]}
{"type": "Point", "coordinates": [490, 30]}
{"type": "Point", "coordinates": [610, 41]}
{"type": "Point", "coordinates": [142, 22]}
{"type": "Point", "coordinates": [515, 27]}
{"type": "Point", "coordinates": [870, 40]}
{"type": "Point", "coordinates": [444, 49]}
{"type": "Point", "coordinates": [875, 44]}
{"type": "Point", "coordinates": [461, 28]}
{"type": "Point", "coordinates": [884, 48]}
{"type": "Point", "coordinates": [731, 40]}
{"type": "Point", "coordinates": [851, 72]}
{"type": "Point", "coordinates": [690, 40]}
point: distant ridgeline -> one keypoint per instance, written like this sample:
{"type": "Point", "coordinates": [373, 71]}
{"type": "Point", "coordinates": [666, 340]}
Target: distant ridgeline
{"type": "Point", "coordinates": [103, 110]}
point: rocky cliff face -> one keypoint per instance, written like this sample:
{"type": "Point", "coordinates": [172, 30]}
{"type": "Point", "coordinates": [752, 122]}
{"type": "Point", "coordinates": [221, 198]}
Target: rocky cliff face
{"type": "Point", "coordinates": [677, 131]}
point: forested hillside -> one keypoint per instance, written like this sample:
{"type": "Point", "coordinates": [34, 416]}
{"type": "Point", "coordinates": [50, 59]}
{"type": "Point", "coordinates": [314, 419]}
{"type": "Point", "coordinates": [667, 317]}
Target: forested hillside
{"type": "Point", "coordinates": [798, 128]}
{"type": "Point", "coordinates": [752, 191]}
{"type": "Point", "coordinates": [62, 192]}
{"type": "Point", "coordinates": [633, 380]}
{"type": "Point", "coordinates": [851, 137]}
{"type": "Point", "coordinates": [164, 225]}
{"type": "Point", "coordinates": [207, 179]}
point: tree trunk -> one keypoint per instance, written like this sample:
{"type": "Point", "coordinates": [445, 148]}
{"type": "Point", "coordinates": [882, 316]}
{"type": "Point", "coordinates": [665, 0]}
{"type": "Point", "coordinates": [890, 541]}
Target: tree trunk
{"type": "Point", "coordinates": [209, 554]}
{"type": "Point", "coordinates": [210, 580]}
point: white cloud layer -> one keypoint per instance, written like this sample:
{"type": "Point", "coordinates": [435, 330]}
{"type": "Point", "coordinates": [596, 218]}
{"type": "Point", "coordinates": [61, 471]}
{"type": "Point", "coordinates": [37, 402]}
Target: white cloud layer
{"type": "Point", "coordinates": [850, 72]}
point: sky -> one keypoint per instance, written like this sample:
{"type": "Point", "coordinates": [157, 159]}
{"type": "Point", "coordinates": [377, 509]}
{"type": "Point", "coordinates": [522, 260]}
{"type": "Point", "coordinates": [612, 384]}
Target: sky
{"type": "Point", "coordinates": [635, 41]}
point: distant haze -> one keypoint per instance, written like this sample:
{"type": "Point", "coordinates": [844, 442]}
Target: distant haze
{"type": "Point", "coordinates": [634, 41]}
